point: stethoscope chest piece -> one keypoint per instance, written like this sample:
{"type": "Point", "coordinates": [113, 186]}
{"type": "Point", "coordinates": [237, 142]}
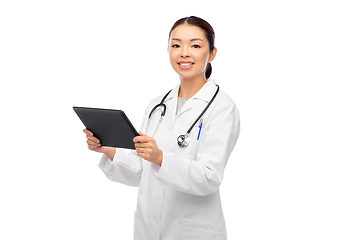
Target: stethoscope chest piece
{"type": "Point", "coordinates": [183, 140]}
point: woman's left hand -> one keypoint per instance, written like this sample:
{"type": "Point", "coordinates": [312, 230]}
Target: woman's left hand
{"type": "Point", "coordinates": [147, 149]}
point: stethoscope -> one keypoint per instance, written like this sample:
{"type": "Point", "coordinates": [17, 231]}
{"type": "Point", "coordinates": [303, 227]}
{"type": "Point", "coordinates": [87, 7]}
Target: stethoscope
{"type": "Point", "coordinates": [184, 139]}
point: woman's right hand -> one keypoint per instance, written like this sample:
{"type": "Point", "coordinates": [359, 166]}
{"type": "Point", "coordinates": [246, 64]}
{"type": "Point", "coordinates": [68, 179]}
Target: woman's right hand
{"type": "Point", "coordinates": [94, 145]}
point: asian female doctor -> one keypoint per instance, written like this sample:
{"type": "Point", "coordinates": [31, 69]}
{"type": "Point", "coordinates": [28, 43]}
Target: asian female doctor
{"type": "Point", "coordinates": [185, 142]}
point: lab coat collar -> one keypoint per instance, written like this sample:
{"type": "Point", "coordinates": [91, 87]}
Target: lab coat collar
{"type": "Point", "coordinates": [207, 91]}
{"type": "Point", "coordinates": [205, 94]}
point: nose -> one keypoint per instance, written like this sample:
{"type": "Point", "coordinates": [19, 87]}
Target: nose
{"type": "Point", "coordinates": [185, 53]}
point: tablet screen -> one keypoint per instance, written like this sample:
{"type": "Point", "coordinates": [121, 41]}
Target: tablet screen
{"type": "Point", "coordinates": [111, 127]}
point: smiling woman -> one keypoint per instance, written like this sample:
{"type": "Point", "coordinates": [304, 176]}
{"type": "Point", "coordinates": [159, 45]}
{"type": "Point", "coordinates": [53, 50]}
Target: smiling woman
{"type": "Point", "coordinates": [190, 57]}
{"type": "Point", "coordinates": [192, 36]}
{"type": "Point", "coordinates": [179, 174]}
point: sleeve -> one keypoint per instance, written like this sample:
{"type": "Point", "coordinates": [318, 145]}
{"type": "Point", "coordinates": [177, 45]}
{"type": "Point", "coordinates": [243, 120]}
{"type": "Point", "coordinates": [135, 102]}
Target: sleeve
{"type": "Point", "coordinates": [126, 166]}
{"type": "Point", "coordinates": [204, 175]}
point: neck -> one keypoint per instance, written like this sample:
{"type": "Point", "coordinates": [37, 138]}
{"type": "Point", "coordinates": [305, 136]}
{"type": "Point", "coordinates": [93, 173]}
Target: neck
{"type": "Point", "coordinates": [189, 87]}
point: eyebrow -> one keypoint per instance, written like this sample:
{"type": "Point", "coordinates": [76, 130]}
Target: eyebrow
{"type": "Point", "coordinates": [194, 39]}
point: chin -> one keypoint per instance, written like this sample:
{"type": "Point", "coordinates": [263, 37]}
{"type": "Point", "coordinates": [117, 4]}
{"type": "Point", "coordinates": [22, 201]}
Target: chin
{"type": "Point", "coordinates": [188, 73]}
{"type": "Point", "coordinates": [191, 76]}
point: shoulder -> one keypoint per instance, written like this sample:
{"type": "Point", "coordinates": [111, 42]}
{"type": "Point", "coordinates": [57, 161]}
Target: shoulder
{"type": "Point", "coordinates": [157, 99]}
{"type": "Point", "coordinates": [224, 110]}
{"type": "Point", "coordinates": [223, 100]}
{"type": "Point", "coordinates": [224, 114]}
{"type": "Point", "coordinates": [169, 95]}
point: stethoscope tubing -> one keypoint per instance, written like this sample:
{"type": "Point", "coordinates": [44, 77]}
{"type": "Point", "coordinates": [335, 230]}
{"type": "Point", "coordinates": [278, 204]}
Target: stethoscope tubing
{"type": "Point", "coordinates": [202, 113]}
{"type": "Point", "coordinates": [183, 140]}
{"type": "Point", "coordinates": [159, 105]}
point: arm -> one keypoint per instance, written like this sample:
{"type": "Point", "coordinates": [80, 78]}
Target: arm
{"type": "Point", "coordinates": [203, 175]}
{"type": "Point", "coordinates": [117, 165]}
{"type": "Point", "coordinates": [125, 168]}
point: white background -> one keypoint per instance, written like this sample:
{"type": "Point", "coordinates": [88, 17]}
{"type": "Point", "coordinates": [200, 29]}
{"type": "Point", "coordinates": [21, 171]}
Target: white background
{"type": "Point", "coordinates": [292, 67]}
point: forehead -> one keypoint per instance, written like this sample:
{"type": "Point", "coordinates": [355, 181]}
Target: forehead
{"type": "Point", "coordinates": [187, 32]}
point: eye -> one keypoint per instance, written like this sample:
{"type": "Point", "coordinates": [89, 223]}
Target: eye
{"type": "Point", "coordinates": [196, 46]}
{"type": "Point", "coordinates": [175, 46]}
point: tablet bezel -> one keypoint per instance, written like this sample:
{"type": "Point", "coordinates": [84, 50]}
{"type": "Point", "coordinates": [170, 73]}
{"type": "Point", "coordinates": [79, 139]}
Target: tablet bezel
{"type": "Point", "coordinates": [112, 127]}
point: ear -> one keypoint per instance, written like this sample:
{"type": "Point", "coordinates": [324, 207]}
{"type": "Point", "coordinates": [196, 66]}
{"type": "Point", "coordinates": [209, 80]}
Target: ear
{"type": "Point", "coordinates": [212, 55]}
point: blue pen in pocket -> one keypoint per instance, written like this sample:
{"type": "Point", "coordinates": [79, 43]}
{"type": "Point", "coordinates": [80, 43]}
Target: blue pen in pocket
{"type": "Point", "coordinates": [200, 127]}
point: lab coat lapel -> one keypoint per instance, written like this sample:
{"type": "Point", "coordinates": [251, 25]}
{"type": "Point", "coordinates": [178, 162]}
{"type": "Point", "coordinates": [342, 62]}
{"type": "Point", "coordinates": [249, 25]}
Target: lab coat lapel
{"type": "Point", "coordinates": [207, 91]}
{"type": "Point", "coordinates": [171, 102]}
{"type": "Point", "coordinates": [187, 106]}
{"type": "Point", "coordinates": [205, 94]}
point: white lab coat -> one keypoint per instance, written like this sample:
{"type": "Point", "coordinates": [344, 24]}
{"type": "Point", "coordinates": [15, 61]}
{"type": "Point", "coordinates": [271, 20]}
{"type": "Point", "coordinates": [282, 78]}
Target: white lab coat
{"type": "Point", "coordinates": [181, 199]}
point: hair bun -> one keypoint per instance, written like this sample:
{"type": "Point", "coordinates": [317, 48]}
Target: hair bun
{"type": "Point", "coordinates": [208, 70]}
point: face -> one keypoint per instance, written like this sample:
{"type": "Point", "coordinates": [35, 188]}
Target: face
{"type": "Point", "coordinates": [189, 51]}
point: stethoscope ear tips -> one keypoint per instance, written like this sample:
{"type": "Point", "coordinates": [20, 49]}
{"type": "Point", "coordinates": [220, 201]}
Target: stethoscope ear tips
{"type": "Point", "coordinates": [183, 140]}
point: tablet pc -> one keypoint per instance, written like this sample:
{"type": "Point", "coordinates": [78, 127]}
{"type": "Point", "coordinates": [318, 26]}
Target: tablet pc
{"type": "Point", "coordinates": [111, 127]}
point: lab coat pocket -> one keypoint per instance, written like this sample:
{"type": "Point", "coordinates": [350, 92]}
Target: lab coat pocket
{"type": "Point", "coordinates": [201, 231]}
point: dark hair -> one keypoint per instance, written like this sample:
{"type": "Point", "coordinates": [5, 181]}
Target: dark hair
{"type": "Point", "coordinates": [209, 33]}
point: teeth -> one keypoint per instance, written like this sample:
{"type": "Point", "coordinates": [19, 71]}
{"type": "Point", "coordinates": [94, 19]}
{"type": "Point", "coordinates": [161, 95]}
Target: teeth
{"type": "Point", "coordinates": [185, 64]}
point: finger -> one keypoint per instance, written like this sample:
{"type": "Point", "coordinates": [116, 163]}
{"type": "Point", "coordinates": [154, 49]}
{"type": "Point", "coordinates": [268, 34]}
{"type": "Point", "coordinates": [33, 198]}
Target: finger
{"type": "Point", "coordinates": [142, 145]}
{"type": "Point", "coordinates": [138, 151]}
{"type": "Point", "coordinates": [140, 139]}
{"type": "Point", "coordinates": [142, 152]}
{"type": "Point", "coordinates": [96, 149]}
{"type": "Point", "coordinates": [92, 147]}
{"type": "Point", "coordinates": [93, 139]}
{"type": "Point", "coordinates": [87, 132]}
{"type": "Point", "coordinates": [93, 144]}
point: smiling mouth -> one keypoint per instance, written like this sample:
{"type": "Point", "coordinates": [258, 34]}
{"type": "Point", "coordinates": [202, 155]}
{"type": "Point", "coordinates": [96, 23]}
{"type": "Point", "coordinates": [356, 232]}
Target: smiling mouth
{"type": "Point", "coordinates": [186, 64]}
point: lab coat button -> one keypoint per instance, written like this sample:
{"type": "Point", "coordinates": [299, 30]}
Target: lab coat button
{"type": "Point", "coordinates": [156, 220]}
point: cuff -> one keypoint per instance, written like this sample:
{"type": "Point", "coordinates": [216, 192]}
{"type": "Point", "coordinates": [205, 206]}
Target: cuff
{"type": "Point", "coordinates": [105, 161]}
{"type": "Point", "coordinates": [170, 167]}
{"type": "Point", "coordinates": [160, 173]}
